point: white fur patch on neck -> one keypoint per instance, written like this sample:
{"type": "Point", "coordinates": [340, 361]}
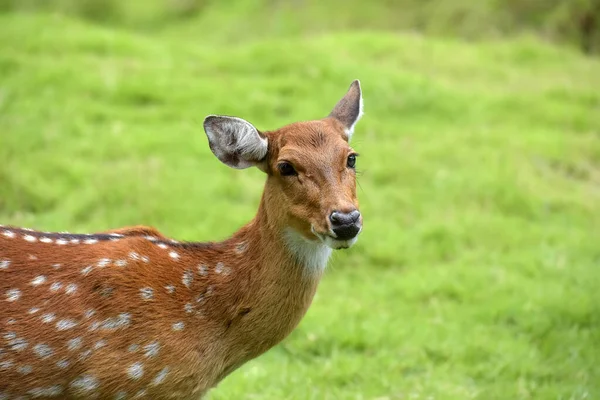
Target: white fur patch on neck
{"type": "Point", "coordinates": [313, 255]}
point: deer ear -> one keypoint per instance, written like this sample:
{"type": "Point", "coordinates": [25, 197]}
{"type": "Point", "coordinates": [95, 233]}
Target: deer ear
{"type": "Point", "coordinates": [349, 109]}
{"type": "Point", "coordinates": [234, 141]}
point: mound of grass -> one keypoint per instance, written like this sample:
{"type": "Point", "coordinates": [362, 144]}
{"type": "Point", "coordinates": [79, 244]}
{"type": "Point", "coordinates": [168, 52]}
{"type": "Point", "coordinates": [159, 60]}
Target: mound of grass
{"type": "Point", "coordinates": [477, 274]}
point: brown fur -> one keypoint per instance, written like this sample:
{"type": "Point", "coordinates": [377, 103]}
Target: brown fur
{"type": "Point", "coordinates": [236, 299]}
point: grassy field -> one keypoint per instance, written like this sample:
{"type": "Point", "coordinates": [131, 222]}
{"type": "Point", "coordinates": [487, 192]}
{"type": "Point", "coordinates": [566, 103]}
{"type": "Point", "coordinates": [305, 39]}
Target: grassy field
{"type": "Point", "coordinates": [478, 273]}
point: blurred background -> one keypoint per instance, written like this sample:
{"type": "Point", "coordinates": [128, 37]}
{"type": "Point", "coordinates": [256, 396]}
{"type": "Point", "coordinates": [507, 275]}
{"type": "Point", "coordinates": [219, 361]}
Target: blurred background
{"type": "Point", "coordinates": [477, 273]}
{"type": "Point", "coordinates": [574, 22]}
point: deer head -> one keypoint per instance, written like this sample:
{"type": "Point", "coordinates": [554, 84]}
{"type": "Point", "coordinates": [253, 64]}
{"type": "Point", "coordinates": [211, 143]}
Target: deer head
{"type": "Point", "coordinates": [310, 193]}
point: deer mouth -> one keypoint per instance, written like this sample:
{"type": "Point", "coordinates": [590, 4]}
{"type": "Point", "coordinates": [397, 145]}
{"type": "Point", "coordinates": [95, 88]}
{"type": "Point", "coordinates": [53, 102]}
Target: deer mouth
{"type": "Point", "coordinates": [330, 240]}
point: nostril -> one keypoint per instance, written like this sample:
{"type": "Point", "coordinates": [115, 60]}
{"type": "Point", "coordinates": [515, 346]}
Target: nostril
{"type": "Point", "coordinates": [335, 217]}
{"type": "Point", "coordinates": [354, 215]}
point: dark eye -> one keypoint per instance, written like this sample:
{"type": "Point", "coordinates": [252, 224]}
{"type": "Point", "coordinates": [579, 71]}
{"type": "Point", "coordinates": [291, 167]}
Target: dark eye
{"type": "Point", "coordinates": [351, 163]}
{"type": "Point", "coordinates": [286, 169]}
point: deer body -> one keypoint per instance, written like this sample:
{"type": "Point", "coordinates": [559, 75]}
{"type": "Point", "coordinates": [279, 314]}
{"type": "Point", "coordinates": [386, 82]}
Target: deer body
{"type": "Point", "coordinates": [132, 314]}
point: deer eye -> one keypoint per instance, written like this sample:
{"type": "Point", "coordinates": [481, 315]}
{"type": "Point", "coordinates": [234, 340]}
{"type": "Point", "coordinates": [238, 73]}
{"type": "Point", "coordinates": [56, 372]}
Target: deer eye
{"type": "Point", "coordinates": [286, 169]}
{"type": "Point", "coordinates": [351, 163]}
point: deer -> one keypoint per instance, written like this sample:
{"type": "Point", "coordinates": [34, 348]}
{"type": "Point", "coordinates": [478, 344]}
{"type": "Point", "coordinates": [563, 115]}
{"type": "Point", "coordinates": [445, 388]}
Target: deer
{"type": "Point", "coordinates": [130, 313]}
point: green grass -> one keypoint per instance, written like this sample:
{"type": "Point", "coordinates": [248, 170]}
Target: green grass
{"type": "Point", "coordinates": [478, 273]}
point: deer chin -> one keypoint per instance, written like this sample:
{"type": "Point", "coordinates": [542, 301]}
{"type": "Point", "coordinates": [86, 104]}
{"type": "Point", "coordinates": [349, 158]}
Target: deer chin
{"type": "Point", "coordinates": [334, 243]}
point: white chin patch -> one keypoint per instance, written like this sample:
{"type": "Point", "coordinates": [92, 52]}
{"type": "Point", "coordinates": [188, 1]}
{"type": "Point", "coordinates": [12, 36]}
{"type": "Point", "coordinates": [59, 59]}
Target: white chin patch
{"type": "Point", "coordinates": [338, 244]}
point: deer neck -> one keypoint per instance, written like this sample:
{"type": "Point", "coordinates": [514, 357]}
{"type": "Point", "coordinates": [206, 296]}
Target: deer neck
{"type": "Point", "coordinates": [281, 272]}
{"type": "Point", "coordinates": [283, 245]}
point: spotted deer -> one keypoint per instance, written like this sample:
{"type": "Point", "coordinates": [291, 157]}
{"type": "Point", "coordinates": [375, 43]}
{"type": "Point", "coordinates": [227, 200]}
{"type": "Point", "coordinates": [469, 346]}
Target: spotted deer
{"type": "Point", "coordinates": [130, 313]}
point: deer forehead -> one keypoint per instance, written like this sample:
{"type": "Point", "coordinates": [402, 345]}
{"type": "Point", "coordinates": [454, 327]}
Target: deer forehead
{"type": "Point", "coordinates": [314, 142]}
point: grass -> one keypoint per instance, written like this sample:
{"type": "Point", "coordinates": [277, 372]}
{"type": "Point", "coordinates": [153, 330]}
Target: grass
{"type": "Point", "coordinates": [477, 274]}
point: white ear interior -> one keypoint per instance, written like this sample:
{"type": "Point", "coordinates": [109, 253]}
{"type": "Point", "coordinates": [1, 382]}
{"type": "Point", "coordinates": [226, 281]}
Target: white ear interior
{"type": "Point", "coordinates": [349, 109]}
{"type": "Point", "coordinates": [235, 141]}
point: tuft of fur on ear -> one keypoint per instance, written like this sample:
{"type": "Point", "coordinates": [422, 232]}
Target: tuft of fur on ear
{"type": "Point", "coordinates": [349, 109]}
{"type": "Point", "coordinates": [235, 141]}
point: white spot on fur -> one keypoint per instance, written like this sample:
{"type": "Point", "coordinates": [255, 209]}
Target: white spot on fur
{"type": "Point", "coordinates": [121, 321]}
{"type": "Point", "coordinates": [312, 255]}
{"type": "Point", "coordinates": [4, 264]}
{"type": "Point", "coordinates": [9, 234]}
{"type": "Point", "coordinates": [62, 364]}
{"type": "Point", "coordinates": [151, 238]}
{"type": "Point", "coordinates": [170, 288]}
{"type": "Point", "coordinates": [120, 395]}
{"type": "Point", "coordinates": [160, 377]}
{"type": "Point", "coordinates": [13, 294]}
{"type": "Point", "coordinates": [187, 278]}
{"type": "Point", "coordinates": [241, 247]}
{"type": "Point", "coordinates": [38, 280]}
{"type": "Point", "coordinates": [47, 318]}
{"type": "Point", "coordinates": [219, 267]}
{"type": "Point", "coordinates": [33, 310]}
{"type": "Point", "coordinates": [145, 259]}
{"type": "Point", "coordinates": [135, 370]}
{"type": "Point", "coordinates": [85, 271]}
{"type": "Point", "coordinates": [202, 270]}
{"type": "Point", "coordinates": [162, 246]}
{"type": "Point", "coordinates": [134, 256]}
{"type": "Point", "coordinates": [173, 255]}
{"type": "Point", "coordinates": [65, 324]}
{"type": "Point", "coordinates": [75, 241]}
{"type": "Point", "coordinates": [99, 344]}
{"type": "Point", "coordinates": [56, 266]}
{"type": "Point", "coordinates": [30, 238]}
{"type": "Point", "coordinates": [89, 313]}
{"type": "Point", "coordinates": [45, 240]}
{"type": "Point", "coordinates": [55, 287]}
{"type": "Point", "coordinates": [133, 348]}
{"type": "Point", "coordinates": [75, 344]}
{"type": "Point", "coordinates": [25, 369]}
{"type": "Point", "coordinates": [103, 262]}
{"type": "Point", "coordinates": [61, 242]}
{"type": "Point", "coordinates": [121, 263]}
{"type": "Point", "coordinates": [85, 383]}
{"type": "Point", "coordinates": [43, 351]}
{"type": "Point", "coordinates": [18, 344]}
{"type": "Point", "coordinates": [11, 321]}
{"type": "Point", "coordinates": [178, 326]}
{"type": "Point", "coordinates": [70, 288]}
{"type": "Point", "coordinates": [84, 355]}
{"type": "Point", "coordinates": [147, 293]}
{"type": "Point", "coordinates": [90, 241]}
{"type": "Point", "coordinates": [6, 364]}
{"type": "Point", "coordinates": [32, 257]}
{"type": "Point", "coordinates": [151, 350]}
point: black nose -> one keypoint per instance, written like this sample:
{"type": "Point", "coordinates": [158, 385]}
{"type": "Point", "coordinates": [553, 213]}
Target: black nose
{"type": "Point", "coordinates": [345, 225]}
